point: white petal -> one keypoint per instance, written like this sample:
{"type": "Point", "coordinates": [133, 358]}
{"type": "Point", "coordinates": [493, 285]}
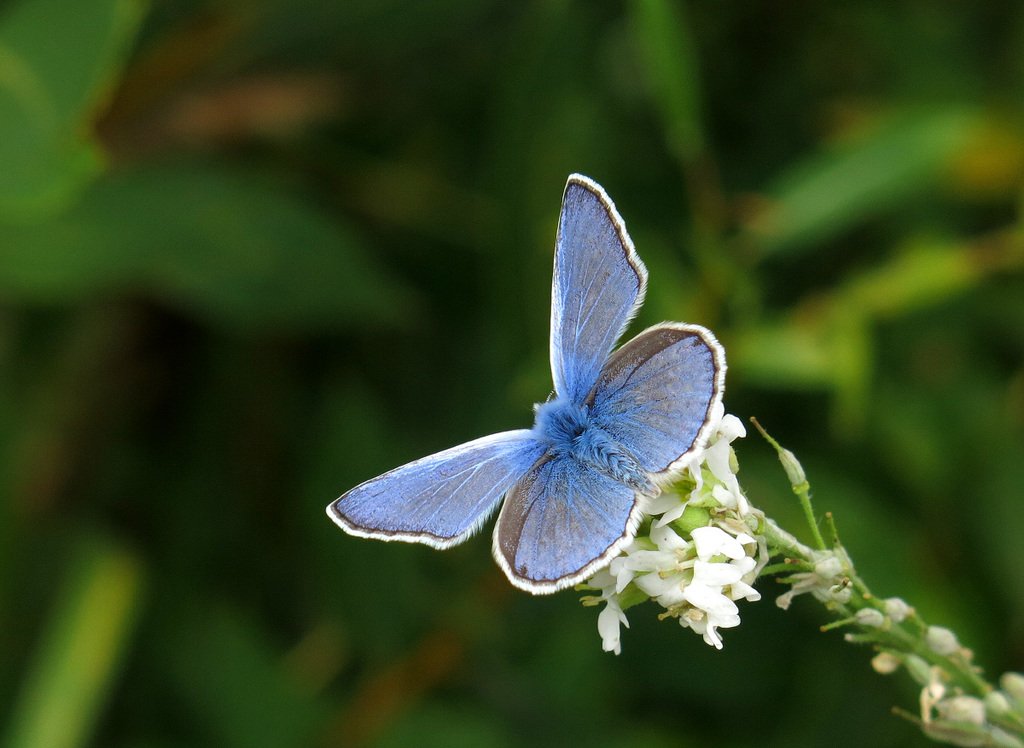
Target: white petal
{"type": "Point", "coordinates": [717, 458]}
{"type": "Point", "coordinates": [715, 575]}
{"type": "Point", "coordinates": [731, 428]}
{"type": "Point", "coordinates": [828, 568]}
{"type": "Point", "coordinates": [711, 600]}
{"type": "Point", "coordinates": [662, 503]}
{"type": "Point", "coordinates": [668, 591]}
{"type": "Point", "coordinates": [711, 637]}
{"type": "Point", "coordinates": [745, 591]}
{"type": "Point", "coordinates": [655, 585]}
{"type": "Point", "coordinates": [651, 561]}
{"type": "Point", "coordinates": [746, 565]}
{"type": "Point", "coordinates": [672, 514]}
{"type": "Point", "coordinates": [668, 539]}
{"type": "Point", "coordinates": [712, 541]}
{"type": "Point", "coordinates": [724, 496]}
{"type": "Point", "coordinates": [602, 579]}
{"type": "Point", "coordinates": [608, 627]}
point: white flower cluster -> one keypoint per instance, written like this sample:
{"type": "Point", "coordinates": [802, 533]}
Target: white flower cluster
{"type": "Point", "coordinates": [694, 556]}
{"type": "Point", "coordinates": [952, 717]}
{"type": "Point", "coordinates": [828, 581]}
{"type": "Point", "coordinates": [947, 714]}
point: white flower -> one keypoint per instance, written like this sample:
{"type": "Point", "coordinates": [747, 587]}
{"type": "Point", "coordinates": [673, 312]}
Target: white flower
{"type": "Point", "coordinates": [608, 621]}
{"type": "Point", "coordinates": [712, 541]}
{"type": "Point", "coordinates": [698, 576]}
{"type": "Point", "coordinates": [668, 569]}
{"type": "Point", "coordinates": [718, 612]}
{"type": "Point", "coordinates": [719, 459]}
{"type": "Point", "coordinates": [611, 616]}
{"type": "Point", "coordinates": [825, 582]}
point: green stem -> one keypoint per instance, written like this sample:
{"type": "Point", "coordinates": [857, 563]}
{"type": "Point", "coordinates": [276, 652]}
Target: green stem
{"type": "Point", "coordinates": [805, 503]}
{"type": "Point", "coordinates": [798, 480]}
{"type": "Point", "coordinates": [896, 637]}
{"type": "Point", "coordinates": [787, 544]}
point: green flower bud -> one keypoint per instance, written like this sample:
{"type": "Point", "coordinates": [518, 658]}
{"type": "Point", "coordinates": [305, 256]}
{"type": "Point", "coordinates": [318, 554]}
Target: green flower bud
{"type": "Point", "coordinates": [996, 704]}
{"type": "Point", "coordinates": [941, 640]}
{"type": "Point", "coordinates": [869, 617]}
{"type": "Point", "coordinates": [1013, 684]}
{"type": "Point", "coordinates": [886, 663]}
{"type": "Point", "coordinates": [692, 518]}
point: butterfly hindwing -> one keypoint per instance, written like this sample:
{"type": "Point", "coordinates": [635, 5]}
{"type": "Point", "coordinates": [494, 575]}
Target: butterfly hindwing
{"type": "Point", "coordinates": [656, 394]}
{"type": "Point", "coordinates": [560, 523]}
{"type": "Point", "coordinates": [598, 284]}
{"type": "Point", "coordinates": [442, 499]}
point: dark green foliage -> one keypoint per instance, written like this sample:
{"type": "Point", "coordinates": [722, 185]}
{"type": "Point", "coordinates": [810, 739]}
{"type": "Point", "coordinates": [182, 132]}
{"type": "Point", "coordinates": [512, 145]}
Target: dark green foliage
{"type": "Point", "coordinates": [252, 253]}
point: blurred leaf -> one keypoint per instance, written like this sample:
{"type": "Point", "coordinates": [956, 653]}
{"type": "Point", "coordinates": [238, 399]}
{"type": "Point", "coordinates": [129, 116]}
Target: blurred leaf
{"type": "Point", "coordinates": [238, 686]}
{"type": "Point", "coordinates": [233, 250]}
{"type": "Point", "coordinates": [928, 271]}
{"type": "Point", "coordinates": [821, 348]}
{"type": "Point", "coordinates": [57, 58]}
{"type": "Point", "coordinates": [991, 164]}
{"type": "Point", "coordinates": [79, 652]}
{"type": "Point", "coordinates": [826, 341]}
{"type": "Point", "coordinates": [667, 49]}
{"type": "Point", "coordinates": [790, 355]}
{"type": "Point", "coordinates": [833, 190]}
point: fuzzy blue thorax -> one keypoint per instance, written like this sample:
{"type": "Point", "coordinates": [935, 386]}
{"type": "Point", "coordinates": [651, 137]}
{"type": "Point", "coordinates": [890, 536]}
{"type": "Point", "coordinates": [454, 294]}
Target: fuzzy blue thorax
{"type": "Point", "coordinates": [569, 430]}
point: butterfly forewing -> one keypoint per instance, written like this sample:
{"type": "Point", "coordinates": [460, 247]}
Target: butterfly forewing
{"type": "Point", "coordinates": [656, 394]}
{"type": "Point", "coordinates": [598, 283]}
{"type": "Point", "coordinates": [441, 499]}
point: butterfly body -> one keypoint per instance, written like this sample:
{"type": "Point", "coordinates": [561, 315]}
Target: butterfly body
{"type": "Point", "coordinates": [571, 431]}
{"type": "Point", "coordinates": [618, 426]}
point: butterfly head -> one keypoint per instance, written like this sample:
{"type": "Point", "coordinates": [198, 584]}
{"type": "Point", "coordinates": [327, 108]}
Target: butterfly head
{"type": "Point", "coordinates": [560, 423]}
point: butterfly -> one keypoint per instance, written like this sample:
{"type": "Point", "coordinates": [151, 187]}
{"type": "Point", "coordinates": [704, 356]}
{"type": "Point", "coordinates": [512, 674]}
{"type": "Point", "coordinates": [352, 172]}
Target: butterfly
{"type": "Point", "coordinates": [617, 428]}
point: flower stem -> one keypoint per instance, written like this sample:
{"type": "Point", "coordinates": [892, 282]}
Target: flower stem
{"type": "Point", "coordinates": [930, 654]}
{"type": "Point", "coordinates": [798, 480]}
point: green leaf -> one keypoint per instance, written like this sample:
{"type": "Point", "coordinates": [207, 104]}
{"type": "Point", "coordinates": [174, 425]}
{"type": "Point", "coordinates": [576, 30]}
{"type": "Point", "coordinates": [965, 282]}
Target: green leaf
{"type": "Point", "coordinates": [835, 189]}
{"type": "Point", "coordinates": [57, 58]}
{"type": "Point", "coordinates": [668, 53]}
{"type": "Point", "coordinates": [926, 271]}
{"type": "Point", "coordinates": [785, 354]}
{"type": "Point", "coordinates": [231, 249]}
{"type": "Point", "coordinates": [80, 650]}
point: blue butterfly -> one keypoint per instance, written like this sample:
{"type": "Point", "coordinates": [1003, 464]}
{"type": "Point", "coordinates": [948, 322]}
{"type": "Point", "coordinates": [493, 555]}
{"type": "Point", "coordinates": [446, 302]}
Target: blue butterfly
{"type": "Point", "coordinates": [617, 427]}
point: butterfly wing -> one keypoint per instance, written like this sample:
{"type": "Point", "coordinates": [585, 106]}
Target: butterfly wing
{"type": "Point", "coordinates": [656, 394]}
{"type": "Point", "coordinates": [442, 499]}
{"type": "Point", "coordinates": [599, 282]}
{"type": "Point", "coordinates": [561, 523]}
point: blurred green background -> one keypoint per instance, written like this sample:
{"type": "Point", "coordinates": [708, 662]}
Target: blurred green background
{"type": "Point", "coordinates": [255, 252]}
